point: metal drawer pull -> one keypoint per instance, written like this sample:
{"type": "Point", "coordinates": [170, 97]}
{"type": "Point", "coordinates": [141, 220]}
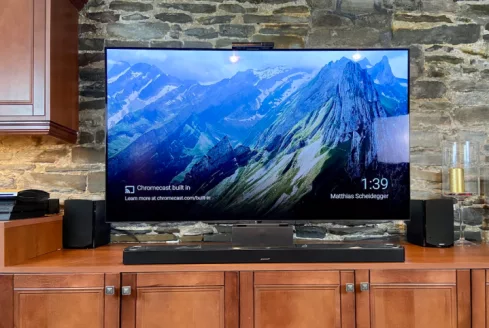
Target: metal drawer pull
{"type": "Point", "coordinates": [364, 286]}
{"type": "Point", "coordinates": [109, 290]}
{"type": "Point", "coordinates": [126, 290]}
{"type": "Point", "coordinates": [350, 288]}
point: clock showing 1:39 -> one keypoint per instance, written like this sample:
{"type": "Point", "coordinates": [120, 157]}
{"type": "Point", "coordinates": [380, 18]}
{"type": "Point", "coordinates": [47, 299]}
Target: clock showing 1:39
{"type": "Point", "coordinates": [375, 183]}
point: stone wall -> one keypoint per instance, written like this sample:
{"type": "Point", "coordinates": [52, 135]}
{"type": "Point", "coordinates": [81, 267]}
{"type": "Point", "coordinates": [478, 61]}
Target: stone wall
{"type": "Point", "coordinates": [449, 40]}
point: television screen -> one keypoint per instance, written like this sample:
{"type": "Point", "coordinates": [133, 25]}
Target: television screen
{"type": "Point", "coordinates": [280, 135]}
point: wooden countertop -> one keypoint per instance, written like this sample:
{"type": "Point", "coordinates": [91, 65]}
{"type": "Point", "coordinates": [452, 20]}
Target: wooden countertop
{"type": "Point", "coordinates": [108, 259]}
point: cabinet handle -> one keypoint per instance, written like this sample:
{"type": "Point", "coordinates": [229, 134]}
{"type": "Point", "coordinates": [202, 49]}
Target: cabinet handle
{"type": "Point", "coordinates": [364, 286]}
{"type": "Point", "coordinates": [126, 290]}
{"type": "Point", "coordinates": [350, 288]}
{"type": "Point", "coordinates": [109, 290]}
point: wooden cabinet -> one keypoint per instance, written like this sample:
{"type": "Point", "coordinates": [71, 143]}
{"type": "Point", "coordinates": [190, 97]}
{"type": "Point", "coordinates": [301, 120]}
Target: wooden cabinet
{"type": "Point", "coordinates": [248, 299]}
{"type": "Point", "coordinates": [39, 68]}
{"type": "Point", "coordinates": [180, 299]}
{"type": "Point", "coordinates": [416, 299]}
{"type": "Point", "coordinates": [59, 301]}
{"type": "Point", "coordinates": [296, 299]}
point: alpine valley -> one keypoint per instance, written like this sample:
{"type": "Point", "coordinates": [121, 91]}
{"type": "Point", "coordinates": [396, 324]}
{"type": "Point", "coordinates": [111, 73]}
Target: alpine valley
{"type": "Point", "coordinates": [269, 143]}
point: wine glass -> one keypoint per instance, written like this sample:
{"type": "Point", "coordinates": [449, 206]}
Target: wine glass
{"type": "Point", "coordinates": [461, 177]}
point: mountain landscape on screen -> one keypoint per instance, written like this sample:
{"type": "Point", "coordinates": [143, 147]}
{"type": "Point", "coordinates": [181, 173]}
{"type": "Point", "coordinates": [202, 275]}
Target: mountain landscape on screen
{"type": "Point", "coordinates": [262, 142]}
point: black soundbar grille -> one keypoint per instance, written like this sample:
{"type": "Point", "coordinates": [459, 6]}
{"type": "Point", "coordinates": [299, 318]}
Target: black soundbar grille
{"type": "Point", "coordinates": [217, 254]}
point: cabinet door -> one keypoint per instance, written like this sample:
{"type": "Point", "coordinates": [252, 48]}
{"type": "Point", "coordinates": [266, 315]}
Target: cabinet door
{"type": "Point", "coordinates": [296, 299]}
{"type": "Point", "coordinates": [65, 301]}
{"type": "Point", "coordinates": [22, 57]}
{"type": "Point", "coordinates": [417, 299]}
{"type": "Point", "coordinates": [180, 299]}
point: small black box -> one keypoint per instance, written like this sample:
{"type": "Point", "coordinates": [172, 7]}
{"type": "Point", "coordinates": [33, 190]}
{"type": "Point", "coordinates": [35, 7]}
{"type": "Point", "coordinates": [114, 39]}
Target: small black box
{"type": "Point", "coordinates": [432, 223]}
{"type": "Point", "coordinates": [84, 224]}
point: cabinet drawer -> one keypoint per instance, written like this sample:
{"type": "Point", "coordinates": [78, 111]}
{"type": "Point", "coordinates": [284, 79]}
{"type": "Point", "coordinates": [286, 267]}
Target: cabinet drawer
{"type": "Point", "coordinates": [180, 279]}
{"type": "Point", "coordinates": [95, 280]}
{"type": "Point", "coordinates": [298, 278]}
{"type": "Point", "coordinates": [441, 277]}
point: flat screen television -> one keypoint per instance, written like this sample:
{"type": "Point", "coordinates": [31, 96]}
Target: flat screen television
{"type": "Point", "coordinates": [279, 135]}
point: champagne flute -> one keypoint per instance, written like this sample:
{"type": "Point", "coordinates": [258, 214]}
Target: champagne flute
{"type": "Point", "coordinates": [461, 177]}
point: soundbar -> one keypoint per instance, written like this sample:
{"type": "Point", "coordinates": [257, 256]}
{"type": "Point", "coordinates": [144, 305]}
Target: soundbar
{"type": "Point", "coordinates": [220, 254]}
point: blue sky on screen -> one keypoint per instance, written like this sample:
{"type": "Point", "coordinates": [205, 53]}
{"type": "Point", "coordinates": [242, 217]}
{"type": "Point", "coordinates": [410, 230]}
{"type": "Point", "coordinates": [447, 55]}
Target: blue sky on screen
{"type": "Point", "coordinates": [212, 66]}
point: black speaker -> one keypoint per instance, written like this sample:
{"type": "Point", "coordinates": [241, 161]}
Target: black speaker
{"type": "Point", "coordinates": [431, 223]}
{"type": "Point", "coordinates": [84, 224]}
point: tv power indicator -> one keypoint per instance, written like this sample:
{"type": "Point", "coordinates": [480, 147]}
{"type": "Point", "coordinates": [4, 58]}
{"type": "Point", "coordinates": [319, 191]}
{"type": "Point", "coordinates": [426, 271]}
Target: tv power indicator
{"type": "Point", "coordinates": [265, 259]}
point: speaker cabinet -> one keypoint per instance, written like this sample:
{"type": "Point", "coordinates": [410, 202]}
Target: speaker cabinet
{"type": "Point", "coordinates": [432, 223]}
{"type": "Point", "coordinates": [84, 224]}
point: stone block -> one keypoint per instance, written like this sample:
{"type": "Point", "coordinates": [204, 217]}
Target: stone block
{"type": "Point", "coordinates": [92, 104]}
{"type": "Point", "coordinates": [202, 33]}
{"type": "Point", "coordinates": [197, 44]}
{"type": "Point", "coordinates": [469, 85]}
{"type": "Point", "coordinates": [85, 137]}
{"type": "Point", "coordinates": [310, 232]}
{"type": "Point", "coordinates": [325, 18]}
{"type": "Point", "coordinates": [135, 17]}
{"type": "Point", "coordinates": [7, 182]}
{"type": "Point", "coordinates": [130, 6]}
{"type": "Point", "coordinates": [51, 155]}
{"type": "Point", "coordinates": [87, 58]}
{"type": "Point", "coordinates": [92, 74]}
{"type": "Point", "coordinates": [100, 136]}
{"type": "Point", "coordinates": [460, 34]}
{"type": "Point", "coordinates": [211, 20]}
{"type": "Point", "coordinates": [174, 17]}
{"type": "Point", "coordinates": [425, 139]}
{"type": "Point", "coordinates": [96, 182]}
{"type": "Point", "coordinates": [292, 10]}
{"type": "Point", "coordinates": [60, 182]}
{"type": "Point", "coordinates": [422, 174]}
{"type": "Point", "coordinates": [91, 44]}
{"type": "Point", "coordinates": [138, 31]}
{"type": "Point", "coordinates": [423, 18]}
{"type": "Point", "coordinates": [284, 29]}
{"type": "Point", "coordinates": [86, 155]}
{"type": "Point", "coordinates": [321, 4]}
{"type": "Point", "coordinates": [126, 44]}
{"type": "Point", "coordinates": [258, 19]}
{"type": "Point", "coordinates": [167, 44]}
{"type": "Point", "coordinates": [87, 28]}
{"type": "Point", "coordinates": [93, 90]}
{"type": "Point", "coordinates": [428, 89]}
{"type": "Point", "coordinates": [190, 239]}
{"type": "Point", "coordinates": [232, 8]}
{"type": "Point", "coordinates": [445, 59]}
{"type": "Point", "coordinates": [191, 7]}
{"type": "Point", "coordinates": [343, 231]}
{"type": "Point", "coordinates": [17, 167]}
{"type": "Point", "coordinates": [104, 17]}
{"type": "Point", "coordinates": [427, 158]}
{"type": "Point", "coordinates": [325, 37]}
{"type": "Point", "coordinates": [472, 115]}
{"type": "Point", "coordinates": [234, 30]}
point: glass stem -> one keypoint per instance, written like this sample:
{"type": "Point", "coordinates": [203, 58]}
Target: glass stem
{"type": "Point", "coordinates": [461, 221]}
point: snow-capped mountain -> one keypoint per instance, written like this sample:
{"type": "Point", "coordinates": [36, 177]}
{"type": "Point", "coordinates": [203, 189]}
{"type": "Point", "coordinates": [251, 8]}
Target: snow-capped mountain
{"type": "Point", "coordinates": [392, 90]}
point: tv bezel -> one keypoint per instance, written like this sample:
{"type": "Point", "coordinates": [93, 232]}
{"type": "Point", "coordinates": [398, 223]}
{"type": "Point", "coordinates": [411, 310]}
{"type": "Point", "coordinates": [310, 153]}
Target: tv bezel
{"type": "Point", "coordinates": [297, 221]}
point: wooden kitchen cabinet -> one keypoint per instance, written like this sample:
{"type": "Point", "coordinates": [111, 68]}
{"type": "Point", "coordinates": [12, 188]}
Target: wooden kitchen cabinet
{"type": "Point", "coordinates": [59, 301]}
{"type": "Point", "coordinates": [415, 299]}
{"type": "Point", "coordinates": [180, 299]}
{"type": "Point", "coordinates": [39, 68]}
{"type": "Point", "coordinates": [296, 299]}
